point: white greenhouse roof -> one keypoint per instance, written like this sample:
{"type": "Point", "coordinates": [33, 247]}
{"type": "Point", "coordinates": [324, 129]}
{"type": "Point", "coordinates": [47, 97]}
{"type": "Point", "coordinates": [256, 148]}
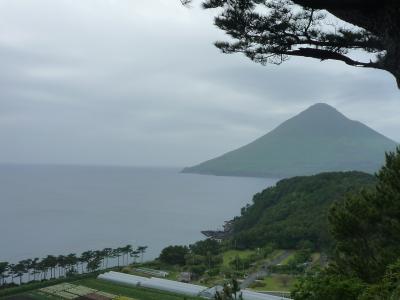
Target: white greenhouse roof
{"type": "Point", "coordinates": [177, 287]}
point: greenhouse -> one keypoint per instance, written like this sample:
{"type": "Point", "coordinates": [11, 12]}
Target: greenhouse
{"type": "Point", "coordinates": [177, 287]}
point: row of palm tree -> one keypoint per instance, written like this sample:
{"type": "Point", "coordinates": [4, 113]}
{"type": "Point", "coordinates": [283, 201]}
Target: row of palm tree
{"type": "Point", "coordinates": [52, 266]}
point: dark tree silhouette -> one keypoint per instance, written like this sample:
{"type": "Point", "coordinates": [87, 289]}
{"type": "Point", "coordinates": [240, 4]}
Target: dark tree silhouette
{"type": "Point", "coordinates": [271, 31]}
{"type": "Point", "coordinates": [85, 258]}
{"type": "Point", "coordinates": [135, 255]}
{"type": "Point", "coordinates": [107, 252]}
{"type": "Point", "coordinates": [142, 250]}
{"type": "Point", "coordinates": [62, 264]}
{"type": "Point", "coordinates": [3, 271]}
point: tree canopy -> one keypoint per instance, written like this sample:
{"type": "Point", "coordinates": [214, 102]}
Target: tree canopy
{"type": "Point", "coordinates": [174, 255]}
{"type": "Point", "coordinates": [271, 31]}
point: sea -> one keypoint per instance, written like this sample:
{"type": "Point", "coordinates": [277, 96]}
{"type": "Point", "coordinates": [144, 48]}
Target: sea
{"type": "Point", "coordinates": [60, 210]}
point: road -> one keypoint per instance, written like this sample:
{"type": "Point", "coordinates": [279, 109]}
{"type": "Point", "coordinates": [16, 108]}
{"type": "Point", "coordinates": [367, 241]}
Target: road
{"type": "Point", "coordinates": [263, 271]}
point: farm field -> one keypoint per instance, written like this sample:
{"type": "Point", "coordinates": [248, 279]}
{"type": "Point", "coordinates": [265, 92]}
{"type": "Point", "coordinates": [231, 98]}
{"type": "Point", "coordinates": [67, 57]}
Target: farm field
{"type": "Point", "coordinates": [103, 290]}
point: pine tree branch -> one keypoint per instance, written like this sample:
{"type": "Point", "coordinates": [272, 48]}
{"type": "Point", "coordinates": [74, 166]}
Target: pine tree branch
{"type": "Point", "coordinates": [340, 4]}
{"type": "Point", "coordinates": [330, 55]}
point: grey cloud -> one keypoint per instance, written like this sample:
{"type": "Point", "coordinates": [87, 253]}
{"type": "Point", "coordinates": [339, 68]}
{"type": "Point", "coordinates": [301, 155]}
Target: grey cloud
{"type": "Point", "coordinates": [139, 82]}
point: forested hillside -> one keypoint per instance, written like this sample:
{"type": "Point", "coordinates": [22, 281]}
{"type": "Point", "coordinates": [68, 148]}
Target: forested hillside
{"type": "Point", "coordinates": [296, 209]}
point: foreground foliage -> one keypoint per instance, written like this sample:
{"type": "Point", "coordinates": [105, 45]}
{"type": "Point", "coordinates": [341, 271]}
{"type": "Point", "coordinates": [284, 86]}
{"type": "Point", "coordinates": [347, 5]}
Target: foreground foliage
{"type": "Point", "coordinates": [271, 31]}
{"type": "Point", "coordinates": [230, 291]}
{"type": "Point", "coordinates": [366, 229]}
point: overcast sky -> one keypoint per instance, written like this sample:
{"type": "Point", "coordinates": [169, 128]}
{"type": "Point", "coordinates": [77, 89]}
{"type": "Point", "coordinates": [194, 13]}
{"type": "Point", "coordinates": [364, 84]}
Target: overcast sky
{"type": "Point", "coordinates": [139, 82]}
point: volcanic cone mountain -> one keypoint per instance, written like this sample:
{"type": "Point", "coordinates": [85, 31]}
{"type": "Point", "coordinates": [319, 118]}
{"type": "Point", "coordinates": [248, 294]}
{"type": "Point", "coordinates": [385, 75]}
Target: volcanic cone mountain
{"type": "Point", "coordinates": [319, 139]}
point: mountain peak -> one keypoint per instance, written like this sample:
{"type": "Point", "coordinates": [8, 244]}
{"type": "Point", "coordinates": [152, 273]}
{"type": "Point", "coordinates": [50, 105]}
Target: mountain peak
{"type": "Point", "coordinates": [321, 106]}
{"type": "Point", "coordinates": [322, 109]}
{"type": "Point", "coordinates": [319, 139]}
{"type": "Point", "coordinates": [319, 119]}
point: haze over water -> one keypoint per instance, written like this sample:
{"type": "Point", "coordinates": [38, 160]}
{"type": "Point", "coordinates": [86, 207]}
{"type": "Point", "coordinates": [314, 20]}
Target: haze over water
{"type": "Point", "coordinates": [70, 209]}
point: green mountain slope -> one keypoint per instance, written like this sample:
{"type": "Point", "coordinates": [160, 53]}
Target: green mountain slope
{"type": "Point", "coordinates": [320, 139]}
{"type": "Point", "coordinates": [296, 210]}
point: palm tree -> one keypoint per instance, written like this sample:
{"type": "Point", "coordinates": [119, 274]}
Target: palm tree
{"type": "Point", "coordinates": [31, 267]}
{"type": "Point", "coordinates": [107, 252]}
{"type": "Point", "coordinates": [28, 266]}
{"type": "Point", "coordinates": [71, 262]}
{"type": "Point", "coordinates": [19, 270]}
{"type": "Point", "coordinates": [61, 263]}
{"type": "Point", "coordinates": [51, 263]}
{"type": "Point", "coordinates": [142, 250]}
{"type": "Point", "coordinates": [66, 264]}
{"type": "Point", "coordinates": [94, 263]}
{"type": "Point", "coordinates": [127, 250]}
{"type": "Point", "coordinates": [135, 255]}
{"type": "Point", "coordinates": [24, 266]}
{"type": "Point", "coordinates": [34, 267]}
{"type": "Point", "coordinates": [4, 267]}
{"type": "Point", "coordinates": [117, 253]}
{"type": "Point", "coordinates": [99, 255]}
{"type": "Point", "coordinates": [42, 268]}
{"type": "Point", "coordinates": [12, 271]}
{"type": "Point", "coordinates": [85, 258]}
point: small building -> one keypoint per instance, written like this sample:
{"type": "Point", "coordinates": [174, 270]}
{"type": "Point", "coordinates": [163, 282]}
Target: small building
{"type": "Point", "coordinates": [185, 277]}
{"type": "Point", "coordinates": [220, 235]}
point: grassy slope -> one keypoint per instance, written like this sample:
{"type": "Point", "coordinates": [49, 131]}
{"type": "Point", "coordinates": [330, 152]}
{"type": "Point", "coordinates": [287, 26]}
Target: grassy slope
{"type": "Point", "coordinates": [230, 256]}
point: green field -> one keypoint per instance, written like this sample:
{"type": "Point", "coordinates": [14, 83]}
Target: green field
{"type": "Point", "coordinates": [230, 255]}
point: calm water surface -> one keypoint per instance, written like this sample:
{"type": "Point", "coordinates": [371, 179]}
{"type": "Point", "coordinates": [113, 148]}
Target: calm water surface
{"type": "Point", "coordinates": [63, 209]}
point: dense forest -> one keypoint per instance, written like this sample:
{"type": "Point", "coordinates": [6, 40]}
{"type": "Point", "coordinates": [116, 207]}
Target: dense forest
{"type": "Point", "coordinates": [296, 210]}
{"type": "Point", "coordinates": [365, 228]}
